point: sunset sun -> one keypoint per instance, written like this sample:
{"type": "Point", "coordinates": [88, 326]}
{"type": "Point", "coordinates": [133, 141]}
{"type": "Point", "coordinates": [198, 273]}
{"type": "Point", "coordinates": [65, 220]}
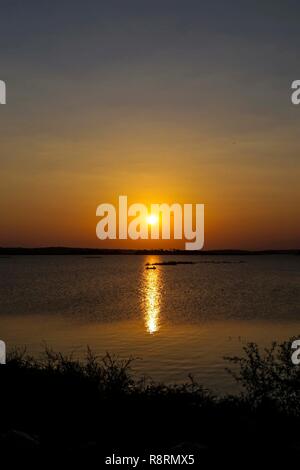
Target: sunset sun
{"type": "Point", "coordinates": [152, 219]}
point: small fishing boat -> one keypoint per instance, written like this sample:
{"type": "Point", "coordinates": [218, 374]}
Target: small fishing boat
{"type": "Point", "coordinates": [150, 267]}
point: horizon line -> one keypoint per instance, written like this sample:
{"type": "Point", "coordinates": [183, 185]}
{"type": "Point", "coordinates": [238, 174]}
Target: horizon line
{"type": "Point", "coordinates": [146, 250]}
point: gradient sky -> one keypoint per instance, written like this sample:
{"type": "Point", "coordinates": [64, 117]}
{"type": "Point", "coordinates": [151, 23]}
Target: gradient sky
{"type": "Point", "coordinates": [165, 101]}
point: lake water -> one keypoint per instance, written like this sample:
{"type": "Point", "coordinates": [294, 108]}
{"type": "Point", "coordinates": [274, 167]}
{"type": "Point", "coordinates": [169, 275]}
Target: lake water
{"type": "Point", "coordinates": [175, 319]}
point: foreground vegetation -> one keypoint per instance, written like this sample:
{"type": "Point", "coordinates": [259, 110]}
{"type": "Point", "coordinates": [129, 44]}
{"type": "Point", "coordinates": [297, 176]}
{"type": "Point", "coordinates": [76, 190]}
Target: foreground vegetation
{"type": "Point", "coordinates": [60, 406]}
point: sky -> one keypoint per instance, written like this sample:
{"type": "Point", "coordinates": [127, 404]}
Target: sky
{"type": "Point", "coordinates": [163, 101]}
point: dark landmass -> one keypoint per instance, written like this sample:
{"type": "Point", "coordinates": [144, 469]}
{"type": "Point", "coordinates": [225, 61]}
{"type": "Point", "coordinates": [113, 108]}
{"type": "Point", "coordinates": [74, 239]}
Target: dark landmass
{"type": "Point", "coordinates": [11, 251]}
{"type": "Point", "coordinates": [170, 263]}
{"type": "Point", "coordinates": [59, 409]}
{"type": "Point", "coordinates": [175, 263]}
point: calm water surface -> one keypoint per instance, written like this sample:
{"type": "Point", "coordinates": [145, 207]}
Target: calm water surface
{"type": "Point", "coordinates": [176, 319]}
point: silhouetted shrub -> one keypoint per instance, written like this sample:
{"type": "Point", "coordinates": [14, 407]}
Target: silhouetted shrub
{"type": "Point", "coordinates": [268, 376]}
{"type": "Point", "coordinates": [59, 405]}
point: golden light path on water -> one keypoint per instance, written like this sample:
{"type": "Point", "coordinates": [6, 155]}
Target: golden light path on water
{"type": "Point", "coordinates": [152, 298]}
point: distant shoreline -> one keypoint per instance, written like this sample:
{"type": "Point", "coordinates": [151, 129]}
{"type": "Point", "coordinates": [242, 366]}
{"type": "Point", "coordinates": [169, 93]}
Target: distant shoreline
{"type": "Point", "coordinates": [11, 251]}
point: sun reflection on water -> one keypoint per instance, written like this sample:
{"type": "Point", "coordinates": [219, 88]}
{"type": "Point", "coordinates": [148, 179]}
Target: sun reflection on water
{"type": "Point", "coordinates": [151, 287]}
